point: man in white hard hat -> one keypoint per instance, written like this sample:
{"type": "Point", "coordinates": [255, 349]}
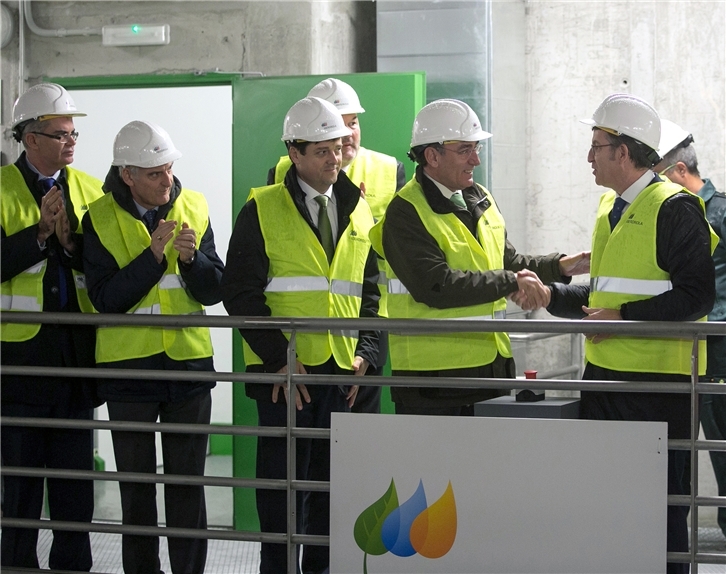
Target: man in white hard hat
{"type": "Point", "coordinates": [150, 250]}
{"type": "Point", "coordinates": [445, 243]}
{"type": "Point", "coordinates": [379, 176]}
{"type": "Point", "coordinates": [651, 261]}
{"type": "Point", "coordinates": [680, 165]}
{"type": "Point", "coordinates": [43, 201]}
{"type": "Point", "coordinates": [301, 248]}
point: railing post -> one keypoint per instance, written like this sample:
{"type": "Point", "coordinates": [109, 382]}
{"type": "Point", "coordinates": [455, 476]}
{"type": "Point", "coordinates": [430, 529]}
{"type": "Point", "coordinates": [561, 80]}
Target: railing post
{"type": "Point", "coordinates": [695, 427]}
{"type": "Point", "coordinates": [291, 445]}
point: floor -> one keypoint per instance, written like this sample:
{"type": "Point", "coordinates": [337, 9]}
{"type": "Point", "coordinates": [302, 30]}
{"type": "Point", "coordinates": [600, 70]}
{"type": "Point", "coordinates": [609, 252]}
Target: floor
{"type": "Point", "coordinates": [223, 556]}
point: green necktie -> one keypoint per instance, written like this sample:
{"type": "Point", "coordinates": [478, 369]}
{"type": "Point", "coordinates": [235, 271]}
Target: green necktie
{"type": "Point", "coordinates": [458, 200]}
{"type": "Point", "coordinates": [326, 232]}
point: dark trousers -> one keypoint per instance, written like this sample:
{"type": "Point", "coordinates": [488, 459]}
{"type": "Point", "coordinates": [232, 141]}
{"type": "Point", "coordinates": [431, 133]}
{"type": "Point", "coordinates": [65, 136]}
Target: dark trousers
{"type": "Point", "coordinates": [368, 399]}
{"type": "Point", "coordinates": [313, 463]}
{"type": "Point", "coordinates": [673, 409]}
{"type": "Point", "coordinates": [713, 419]}
{"type": "Point", "coordinates": [68, 500]}
{"type": "Point", "coordinates": [185, 505]}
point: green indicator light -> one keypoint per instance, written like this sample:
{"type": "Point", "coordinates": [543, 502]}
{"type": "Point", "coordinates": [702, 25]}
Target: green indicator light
{"type": "Point", "coordinates": [136, 28]}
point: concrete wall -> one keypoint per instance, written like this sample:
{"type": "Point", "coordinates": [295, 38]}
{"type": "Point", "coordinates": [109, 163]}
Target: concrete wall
{"type": "Point", "coordinates": [670, 53]}
{"type": "Point", "coordinates": [509, 117]}
{"type": "Point", "coordinates": [274, 38]}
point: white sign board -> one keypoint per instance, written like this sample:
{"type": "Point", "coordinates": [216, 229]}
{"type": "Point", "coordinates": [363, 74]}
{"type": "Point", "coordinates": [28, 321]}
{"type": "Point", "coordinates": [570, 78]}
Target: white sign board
{"type": "Point", "coordinates": [496, 495]}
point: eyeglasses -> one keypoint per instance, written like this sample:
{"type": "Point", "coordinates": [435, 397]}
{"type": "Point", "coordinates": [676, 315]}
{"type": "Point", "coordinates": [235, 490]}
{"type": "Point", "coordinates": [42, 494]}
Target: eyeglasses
{"type": "Point", "coordinates": [595, 147]}
{"type": "Point", "coordinates": [670, 167]}
{"type": "Point", "coordinates": [466, 152]}
{"type": "Point", "coordinates": [63, 138]}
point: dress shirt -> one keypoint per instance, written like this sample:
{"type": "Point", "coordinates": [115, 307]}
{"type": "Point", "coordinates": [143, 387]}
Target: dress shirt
{"type": "Point", "coordinates": [314, 207]}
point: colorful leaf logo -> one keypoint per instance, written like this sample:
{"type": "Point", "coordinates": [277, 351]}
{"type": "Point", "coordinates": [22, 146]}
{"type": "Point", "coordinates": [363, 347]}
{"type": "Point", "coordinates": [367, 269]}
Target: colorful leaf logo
{"type": "Point", "coordinates": [397, 527]}
{"type": "Point", "coordinates": [367, 529]}
{"type": "Point", "coordinates": [413, 527]}
{"type": "Point", "coordinates": [434, 530]}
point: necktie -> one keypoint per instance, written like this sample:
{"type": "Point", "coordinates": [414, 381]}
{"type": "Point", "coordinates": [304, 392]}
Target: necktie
{"type": "Point", "coordinates": [458, 200]}
{"type": "Point", "coordinates": [326, 232]}
{"type": "Point", "coordinates": [617, 211]}
{"type": "Point", "coordinates": [150, 219]}
{"type": "Point", "coordinates": [47, 184]}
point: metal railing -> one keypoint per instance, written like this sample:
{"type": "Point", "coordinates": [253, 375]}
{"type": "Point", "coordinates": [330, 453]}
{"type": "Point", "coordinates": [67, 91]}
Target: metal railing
{"type": "Point", "coordinates": [692, 330]}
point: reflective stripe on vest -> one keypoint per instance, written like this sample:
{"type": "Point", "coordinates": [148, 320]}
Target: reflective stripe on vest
{"type": "Point", "coordinates": [337, 287]}
{"type": "Point", "coordinates": [630, 286]}
{"type": "Point", "coordinates": [19, 303]}
{"type": "Point", "coordinates": [306, 285]}
{"type": "Point", "coordinates": [126, 238]}
{"type": "Point", "coordinates": [437, 351]}
{"type": "Point", "coordinates": [172, 281]}
{"type": "Point", "coordinates": [624, 269]}
{"type": "Point", "coordinates": [18, 211]}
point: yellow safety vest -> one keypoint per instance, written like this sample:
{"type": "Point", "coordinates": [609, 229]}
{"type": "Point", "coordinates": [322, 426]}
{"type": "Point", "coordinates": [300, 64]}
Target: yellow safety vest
{"type": "Point", "coordinates": [378, 171]}
{"type": "Point", "coordinates": [437, 351]}
{"type": "Point", "coordinates": [624, 268]}
{"type": "Point", "coordinates": [301, 283]}
{"type": "Point", "coordinates": [19, 210]}
{"type": "Point", "coordinates": [126, 237]}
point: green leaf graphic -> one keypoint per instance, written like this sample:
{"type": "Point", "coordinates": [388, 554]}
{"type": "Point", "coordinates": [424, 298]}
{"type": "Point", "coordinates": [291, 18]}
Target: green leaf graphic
{"type": "Point", "coordinates": [367, 529]}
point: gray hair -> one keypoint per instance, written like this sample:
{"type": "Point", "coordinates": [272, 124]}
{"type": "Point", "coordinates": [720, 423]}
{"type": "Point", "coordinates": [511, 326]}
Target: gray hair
{"type": "Point", "coordinates": [687, 155]}
{"type": "Point", "coordinates": [29, 127]}
{"type": "Point", "coordinates": [132, 169]}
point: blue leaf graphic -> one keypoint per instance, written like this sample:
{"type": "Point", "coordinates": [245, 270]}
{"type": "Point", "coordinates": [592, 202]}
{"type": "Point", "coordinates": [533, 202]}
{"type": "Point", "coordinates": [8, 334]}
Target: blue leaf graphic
{"type": "Point", "coordinates": [397, 526]}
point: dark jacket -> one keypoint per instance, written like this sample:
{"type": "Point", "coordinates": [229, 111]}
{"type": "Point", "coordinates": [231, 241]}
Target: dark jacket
{"type": "Point", "coordinates": [420, 264]}
{"type": "Point", "coordinates": [114, 290]}
{"type": "Point", "coordinates": [246, 276]}
{"type": "Point", "coordinates": [683, 250]}
{"type": "Point", "coordinates": [54, 345]}
{"type": "Point", "coordinates": [716, 215]}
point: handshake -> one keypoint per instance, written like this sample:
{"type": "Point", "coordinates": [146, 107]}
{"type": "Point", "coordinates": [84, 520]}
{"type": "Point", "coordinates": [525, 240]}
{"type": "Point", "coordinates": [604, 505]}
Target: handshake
{"type": "Point", "coordinates": [533, 294]}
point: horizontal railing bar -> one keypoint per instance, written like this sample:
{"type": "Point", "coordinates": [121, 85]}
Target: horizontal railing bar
{"type": "Point", "coordinates": [154, 478]}
{"type": "Point", "coordinates": [643, 328]}
{"type": "Point", "coordinates": [208, 534]}
{"type": "Point", "coordinates": [710, 558]}
{"type": "Point", "coordinates": [144, 374]}
{"type": "Point", "coordinates": [685, 444]}
{"type": "Point", "coordinates": [710, 501]}
{"type": "Point", "coordinates": [270, 378]}
{"type": "Point", "coordinates": [701, 558]}
{"type": "Point", "coordinates": [236, 430]}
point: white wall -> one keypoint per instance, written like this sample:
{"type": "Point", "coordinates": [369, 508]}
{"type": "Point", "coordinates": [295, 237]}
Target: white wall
{"type": "Point", "coordinates": [670, 53]}
{"type": "Point", "coordinates": [199, 121]}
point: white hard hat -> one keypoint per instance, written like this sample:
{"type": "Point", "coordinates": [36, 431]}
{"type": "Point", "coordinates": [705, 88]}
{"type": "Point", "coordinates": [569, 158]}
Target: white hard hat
{"type": "Point", "coordinates": [313, 120]}
{"type": "Point", "coordinates": [672, 135]}
{"type": "Point", "coordinates": [446, 120]}
{"type": "Point", "coordinates": [43, 101]}
{"type": "Point", "coordinates": [338, 93]}
{"type": "Point", "coordinates": [143, 144]}
{"type": "Point", "coordinates": [623, 114]}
